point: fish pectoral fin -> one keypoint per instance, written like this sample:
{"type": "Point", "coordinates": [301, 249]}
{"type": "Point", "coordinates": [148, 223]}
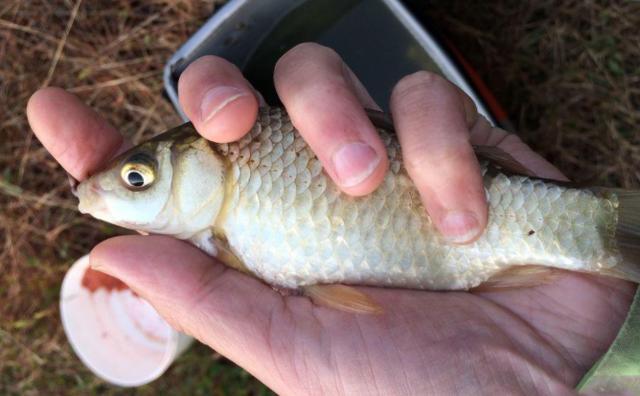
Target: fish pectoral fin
{"type": "Point", "coordinates": [518, 277]}
{"type": "Point", "coordinates": [343, 298]}
{"type": "Point", "coordinates": [229, 258]}
{"type": "Point", "coordinates": [219, 248]}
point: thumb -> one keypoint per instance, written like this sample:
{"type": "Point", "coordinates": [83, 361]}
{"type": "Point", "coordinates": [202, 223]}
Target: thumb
{"type": "Point", "coordinates": [222, 308]}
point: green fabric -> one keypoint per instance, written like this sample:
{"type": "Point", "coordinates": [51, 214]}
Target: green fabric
{"type": "Point", "coordinates": [618, 371]}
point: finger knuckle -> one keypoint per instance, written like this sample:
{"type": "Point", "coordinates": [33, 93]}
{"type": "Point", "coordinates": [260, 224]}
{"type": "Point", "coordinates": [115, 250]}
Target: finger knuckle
{"type": "Point", "coordinates": [310, 68]}
{"type": "Point", "coordinates": [309, 47]}
{"type": "Point", "coordinates": [415, 162]}
{"type": "Point", "coordinates": [417, 92]}
{"type": "Point", "coordinates": [419, 81]}
{"type": "Point", "coordinates": [206, 70]}
{"type": "Point", "coordinates": [208, 63]}
{"type": "Point", "coordinates": [206, 59]}
{"type": "Point", "coordinates": [421, 158]}
{"type": "Point", "coordinates": [512, 139]}
{"type": "Point", "coordinates": [305, 52]}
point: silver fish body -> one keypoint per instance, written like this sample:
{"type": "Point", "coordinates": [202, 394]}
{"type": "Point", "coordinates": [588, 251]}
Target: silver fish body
{"type": "Point", "coordinates": [290, 225]}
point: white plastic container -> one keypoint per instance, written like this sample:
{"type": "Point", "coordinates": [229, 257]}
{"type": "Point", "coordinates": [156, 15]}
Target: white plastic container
{"type": "Point", "coordinates": [117, 335]}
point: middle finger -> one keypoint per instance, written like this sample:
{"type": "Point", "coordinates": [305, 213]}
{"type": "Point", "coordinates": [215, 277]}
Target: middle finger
{"type": "Point", "coordinates": [325, 102]}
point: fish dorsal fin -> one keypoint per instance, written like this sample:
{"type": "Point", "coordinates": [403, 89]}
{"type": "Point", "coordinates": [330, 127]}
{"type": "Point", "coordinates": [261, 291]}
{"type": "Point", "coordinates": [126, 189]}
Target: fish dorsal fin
{"type": "Point", "coordinates": [380, 119]}
{"type": "Point", "coordinates": [180, 132]}
{"type": "Point", "coordinates": [343, 298]}
{"type": "Point", "coordinates": [493, 154]}
{"type": "Point", "coordinates": [503, 160]}
{"type": "Point", "coordinates": [517, 277]}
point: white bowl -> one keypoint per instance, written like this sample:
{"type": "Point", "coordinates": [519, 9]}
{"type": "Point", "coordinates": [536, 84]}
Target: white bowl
{"type": "Point", "coordinates": [117, 334]}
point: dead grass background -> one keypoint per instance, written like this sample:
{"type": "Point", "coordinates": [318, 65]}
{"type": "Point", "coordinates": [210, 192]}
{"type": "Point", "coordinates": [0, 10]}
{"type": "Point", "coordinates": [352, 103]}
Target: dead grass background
{"type": "Point", "coordinates": [567, 72]}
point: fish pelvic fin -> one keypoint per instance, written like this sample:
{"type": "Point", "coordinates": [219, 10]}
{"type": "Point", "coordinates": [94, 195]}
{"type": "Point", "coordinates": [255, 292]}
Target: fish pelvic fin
{"type": "Point", "coordinates": [343, 298]}
{"type": "Point", "coordinates": [627, 235]}
{"type": "Point", "coordinates": [517, 277]}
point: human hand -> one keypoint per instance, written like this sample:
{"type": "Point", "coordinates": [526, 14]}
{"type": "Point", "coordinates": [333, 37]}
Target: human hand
{"type": "Point", "coordinates": [538, 339]}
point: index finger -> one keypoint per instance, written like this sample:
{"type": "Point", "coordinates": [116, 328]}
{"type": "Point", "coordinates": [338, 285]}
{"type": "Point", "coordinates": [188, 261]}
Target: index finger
{"type": "Point", "coordinates": [218, 100]}
{"type": "Point", "coordinates": [77, 137]}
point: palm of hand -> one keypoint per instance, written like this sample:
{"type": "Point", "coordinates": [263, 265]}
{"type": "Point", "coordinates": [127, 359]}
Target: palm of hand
{"type": "Point", "coordinates": [534, 340]}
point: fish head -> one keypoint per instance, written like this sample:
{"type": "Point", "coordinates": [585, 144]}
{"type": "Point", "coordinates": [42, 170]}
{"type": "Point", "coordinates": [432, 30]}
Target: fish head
{"type": "Point", "coordinates": [173, 185]}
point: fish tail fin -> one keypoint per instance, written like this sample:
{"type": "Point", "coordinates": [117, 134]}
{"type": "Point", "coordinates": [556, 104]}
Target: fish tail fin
{"type": "Point", "coordinates": [627, 235]}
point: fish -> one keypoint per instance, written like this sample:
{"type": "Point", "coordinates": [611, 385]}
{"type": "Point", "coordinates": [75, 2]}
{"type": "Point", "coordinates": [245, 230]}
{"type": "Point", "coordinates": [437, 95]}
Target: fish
{"type": "Point", "coordinates": [265, 206]}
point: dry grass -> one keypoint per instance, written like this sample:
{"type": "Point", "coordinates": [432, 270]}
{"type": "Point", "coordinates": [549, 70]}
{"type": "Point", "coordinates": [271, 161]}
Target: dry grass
{"type": "Point", "coordinates": [567, 73]}
{"type": "Point", "coordinates": [111, 54]}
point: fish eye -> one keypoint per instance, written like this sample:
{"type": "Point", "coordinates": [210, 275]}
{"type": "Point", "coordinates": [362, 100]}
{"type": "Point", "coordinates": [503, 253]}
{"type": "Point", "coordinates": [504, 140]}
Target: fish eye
{"type": "Point", "coordinates": [135, 178]}
{"type": "Point", "coordinates": [138, 172]}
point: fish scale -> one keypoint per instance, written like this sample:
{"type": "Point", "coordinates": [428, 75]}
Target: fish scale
{"type": "Point", "coordinates": [316, 234]}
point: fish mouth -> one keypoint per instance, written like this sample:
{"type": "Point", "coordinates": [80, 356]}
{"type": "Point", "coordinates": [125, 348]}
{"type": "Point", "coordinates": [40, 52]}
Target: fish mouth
{"type": "Point", "coordinates": [73, 183]}
{"type": "Point", "coordinates": [91, 198]}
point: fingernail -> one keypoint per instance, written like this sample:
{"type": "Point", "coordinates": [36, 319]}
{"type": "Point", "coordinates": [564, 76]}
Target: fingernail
{"type": "Point", "coordinates": [354, 162]}
{"type": "Point", "coordinates": [459, 226]}
{"type": "Point", "coordinates": [218, 98]}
